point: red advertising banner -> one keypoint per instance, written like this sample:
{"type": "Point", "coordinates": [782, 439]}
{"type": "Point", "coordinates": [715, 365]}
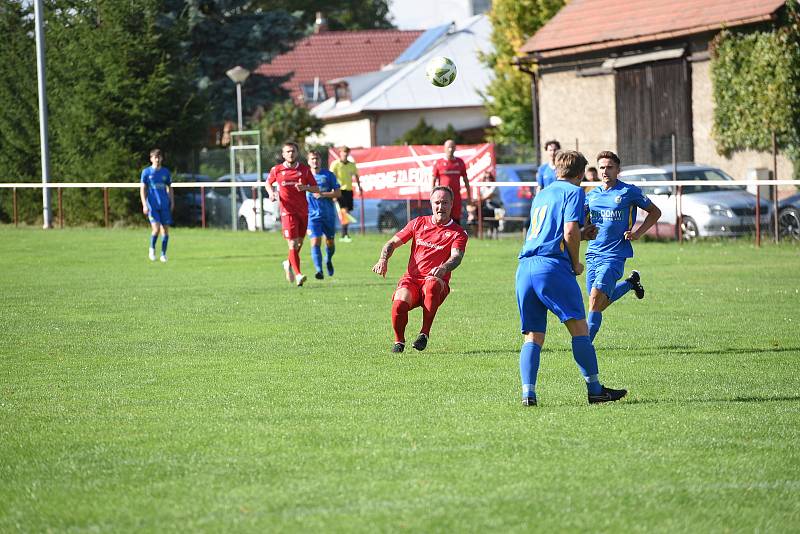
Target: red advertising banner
{"type": "Point", "coordinates": [401, 172]}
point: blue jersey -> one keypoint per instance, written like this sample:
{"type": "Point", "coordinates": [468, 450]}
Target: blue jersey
{"type": "Point", "coordinates": [157, 181]}
{"type": "Point", "coordinates": [323, 208]}
{"type": "Point", "coordinates": [614, 213]}
{"type": "Point", "coordinates": [546, 175]}
{"type": "Point", "coordinates": [552, 207]}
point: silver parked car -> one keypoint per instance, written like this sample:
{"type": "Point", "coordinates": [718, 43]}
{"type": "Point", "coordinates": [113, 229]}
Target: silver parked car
{"type": "Point", "coordinates": [218, 205]}
{"type": "Point", "coordinates": [706, 210]}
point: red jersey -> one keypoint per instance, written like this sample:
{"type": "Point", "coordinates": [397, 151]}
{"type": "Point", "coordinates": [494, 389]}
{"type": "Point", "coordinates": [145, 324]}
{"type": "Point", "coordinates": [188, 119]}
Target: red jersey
{"type": "Point", "coordinates": [293, 202]}
{"type": "Point", "coordinates": [449, 173]}
{"type": "Point", "coordinates": [432, 244]}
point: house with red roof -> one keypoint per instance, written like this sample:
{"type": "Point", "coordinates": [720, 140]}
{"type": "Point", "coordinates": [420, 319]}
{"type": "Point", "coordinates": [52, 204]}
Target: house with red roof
{"type": "Point", "coordinates": [327, 55]}
{"type": "Point", "coordinates": [377, 108]}
{"type": "Point", "coordinates": [625, 75]}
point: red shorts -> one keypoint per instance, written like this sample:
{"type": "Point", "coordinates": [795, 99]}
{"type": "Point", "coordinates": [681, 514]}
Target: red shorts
{"type": "Point", "coordinates": [455, 212]}
{"type": "Point", "coordinates": [415, 285]}
{"type": "Point", "coordinates": [294, 227]}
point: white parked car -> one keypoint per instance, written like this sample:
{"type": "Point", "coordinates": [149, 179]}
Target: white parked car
{"type": "Point", "coordinates": [706, 210]}
{"type": "Point", "coordinates": [218, 205]}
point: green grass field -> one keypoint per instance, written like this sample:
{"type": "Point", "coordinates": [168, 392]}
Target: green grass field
{"type": "Point", "coordinates": [208, 395]}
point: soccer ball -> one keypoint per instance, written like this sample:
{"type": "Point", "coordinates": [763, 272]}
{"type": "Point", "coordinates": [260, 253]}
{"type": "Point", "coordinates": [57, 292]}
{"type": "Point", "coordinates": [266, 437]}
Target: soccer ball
{"type": "Point", "coordinates": [441, 71]}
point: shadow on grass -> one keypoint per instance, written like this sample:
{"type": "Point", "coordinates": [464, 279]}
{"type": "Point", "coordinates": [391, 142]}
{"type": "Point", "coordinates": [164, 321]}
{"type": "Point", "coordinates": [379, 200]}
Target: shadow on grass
{"type": "Point", "coordinates": [672, 349]}
{"type": "Point", "coordinates": [790, 398]}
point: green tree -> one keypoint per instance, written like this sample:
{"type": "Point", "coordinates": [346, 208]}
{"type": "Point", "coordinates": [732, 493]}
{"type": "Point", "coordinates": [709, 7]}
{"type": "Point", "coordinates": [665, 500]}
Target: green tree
{"type": "Point", "coordinates": [425, 134]}
{"type": "Point", "coordinates": [227, 33]}
{"type": "Point", "coordinates": [341, 14]}
{"type": "Point", "coordinates": [285, 121]}
{"type": "Point", "coordinates": [19, 125]}
{"type": "Point", "coordinates": [509, 94]}
{"type": "Point", "coordinates": [756, 76]}
{"type": "Point", "coordinates": [118, 85]}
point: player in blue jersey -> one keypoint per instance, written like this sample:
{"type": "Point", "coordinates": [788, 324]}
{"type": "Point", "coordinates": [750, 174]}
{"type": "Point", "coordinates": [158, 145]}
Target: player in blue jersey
{"type": "Point", "coordinates": [158, 200]}
{"type": "Point", "coordinates": [612, 208]}
{"type": "Point", "coordinates": [548, 265]}
{"type": "Point", "coordinates": [546, 174]}
{"type": "Point", "coordinates": [322, 214]}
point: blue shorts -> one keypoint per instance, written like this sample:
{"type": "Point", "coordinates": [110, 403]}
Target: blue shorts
{"type": "Point", "coordinates": [545, 283]}
{"type": "Point", "coordinates": [162, 216]}
{"type": "Point", "coordinates": [603, 273]}
{"type": "Point", "coordinates": [323, 226]}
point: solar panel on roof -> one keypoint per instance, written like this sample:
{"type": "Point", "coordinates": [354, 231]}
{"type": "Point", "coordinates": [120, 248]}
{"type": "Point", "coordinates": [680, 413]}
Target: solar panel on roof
{"type": "Point", "coordinates": [423, 43]}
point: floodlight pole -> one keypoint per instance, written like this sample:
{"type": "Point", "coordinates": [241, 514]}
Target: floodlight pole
{"type": "Point", "coordinates": [40, 72]}
{"type": "Point", "coordinates": [238, 75]}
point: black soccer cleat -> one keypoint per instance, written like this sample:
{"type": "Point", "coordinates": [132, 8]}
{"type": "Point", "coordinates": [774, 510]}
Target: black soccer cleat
{"type": "Point", "coordinates": [635, 281]}
{"type": "Point", "coordinates": [399, 347]}
{"type": "Point", "coordinates": [529, 401]}
{"type": "Point", "coordinates": [421, 342]}
{"type": "Point", "coordinates": [608, 395]}
{"type": "Point", "coordinates": [318, 275]}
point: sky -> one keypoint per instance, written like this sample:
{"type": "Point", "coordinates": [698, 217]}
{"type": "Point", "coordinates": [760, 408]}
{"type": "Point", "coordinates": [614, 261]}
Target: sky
{"type": "Point", "coordinates": [425, 14]}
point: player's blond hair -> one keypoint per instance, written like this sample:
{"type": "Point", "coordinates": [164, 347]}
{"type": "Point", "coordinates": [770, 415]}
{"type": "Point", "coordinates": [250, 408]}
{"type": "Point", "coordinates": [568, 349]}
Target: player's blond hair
{"type": "Point", "coordinates": [570, 163]}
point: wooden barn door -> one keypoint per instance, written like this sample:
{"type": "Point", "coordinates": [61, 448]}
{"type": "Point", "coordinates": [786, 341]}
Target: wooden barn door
{"type": "Point", "coordinates": [654, 100]}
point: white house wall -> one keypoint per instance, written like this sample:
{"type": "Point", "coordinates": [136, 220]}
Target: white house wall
{"type": "Point", "coordinates": [582, 108]}
{"type": "Point", "coordinates": [355, 133]}
{"type": "Point", "coordinates": [392, 125]}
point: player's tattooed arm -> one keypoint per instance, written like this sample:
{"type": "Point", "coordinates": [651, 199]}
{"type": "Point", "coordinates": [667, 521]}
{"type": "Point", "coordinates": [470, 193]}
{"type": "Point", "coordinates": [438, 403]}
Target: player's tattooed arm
{"type": "Point", "coordinates": [456, 255]}
{"type": "Point", "coordinates": [386, 252]}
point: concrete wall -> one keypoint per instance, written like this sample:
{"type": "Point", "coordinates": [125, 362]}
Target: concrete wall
{"type": "Point", "coordinates": [355, 133]}
{"type": "Point", "coordinates": [582, 108]}
{"type": "Point", "coordinates": [705, 146]}
{"type": "Point", "coordinates": [392, 125]}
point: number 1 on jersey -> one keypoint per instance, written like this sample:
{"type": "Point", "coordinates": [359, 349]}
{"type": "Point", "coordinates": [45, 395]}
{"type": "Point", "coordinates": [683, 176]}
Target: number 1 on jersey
{"type": "Point", "coordinates": [537, 220]}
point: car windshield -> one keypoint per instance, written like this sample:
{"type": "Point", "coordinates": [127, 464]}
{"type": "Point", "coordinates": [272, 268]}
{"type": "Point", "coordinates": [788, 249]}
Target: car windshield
{"type": "Point", "coordinates": [690, 175]}
{"type": "Point", "coordinates": [252, 191]}
{"type": "Point", "coordinates": [705, 175]}
{"type": "Point", "coordinates": [527, 175]}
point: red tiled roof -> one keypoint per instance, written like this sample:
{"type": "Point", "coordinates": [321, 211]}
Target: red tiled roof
{"type": "Point", "coordinates": [584, 25]}
{"type": "Point", "coordinates": [334, 54]}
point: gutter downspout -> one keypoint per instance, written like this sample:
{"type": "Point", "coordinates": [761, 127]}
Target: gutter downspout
{"type": "Point", "coordinates": [535, 134]}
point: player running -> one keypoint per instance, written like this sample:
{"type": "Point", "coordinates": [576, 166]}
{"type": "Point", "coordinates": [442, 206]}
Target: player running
{"type": "Point", "coordinates": [450, 171]}
{"type": "Point", "coordinates": [612, 208]}
{"type": "Point", "coordinates": [546, 173]}
{"type": "Point", "coordinates": [293, 179]}
{"type": "Point", "coordinates": [437, 249]}
{"type": "Point", "coordinates": [322, 214]}
{"type": "Point", "coordinates": [548, 265]}
{"type": "Point", "coordinates": [158, 200]}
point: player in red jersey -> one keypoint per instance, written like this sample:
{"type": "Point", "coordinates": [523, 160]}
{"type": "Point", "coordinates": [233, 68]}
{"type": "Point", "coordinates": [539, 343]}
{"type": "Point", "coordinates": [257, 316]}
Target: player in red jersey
{"type": "Point", "coordinates": [437, 249]}
{"type": "Point", "coordinates": [450, 171]}
{"type": "Point", "coordinates": [293, 179]}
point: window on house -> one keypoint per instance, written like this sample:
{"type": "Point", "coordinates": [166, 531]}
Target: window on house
{"type": "Point", "coordinates": [342, 92]}
{"type": "Point", "coordinates": [310, 95]}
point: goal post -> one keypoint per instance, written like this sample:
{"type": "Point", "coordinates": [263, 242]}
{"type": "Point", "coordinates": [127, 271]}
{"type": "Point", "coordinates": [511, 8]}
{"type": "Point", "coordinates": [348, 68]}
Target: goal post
{"type": "Point", "coordinates": [245, 147]}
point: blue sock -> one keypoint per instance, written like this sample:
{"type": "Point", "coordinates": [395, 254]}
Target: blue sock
{"type": "Point", "coordinates": [153, 240]}
{"type": "Point", "coordinates": [316, 257]}
{"type": "Point", "coordinates": [595, 319]}
{"type": "Point", "coordinates": [620, 290]}
{"type": "Point", "coordinates": [329, 250]}
{"type": "Point", "coordinates": [529, 367]}
{"type": "Point", "coordinates": [586, 358]}
{"type": "Point", "coordinates": [164, 241]}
